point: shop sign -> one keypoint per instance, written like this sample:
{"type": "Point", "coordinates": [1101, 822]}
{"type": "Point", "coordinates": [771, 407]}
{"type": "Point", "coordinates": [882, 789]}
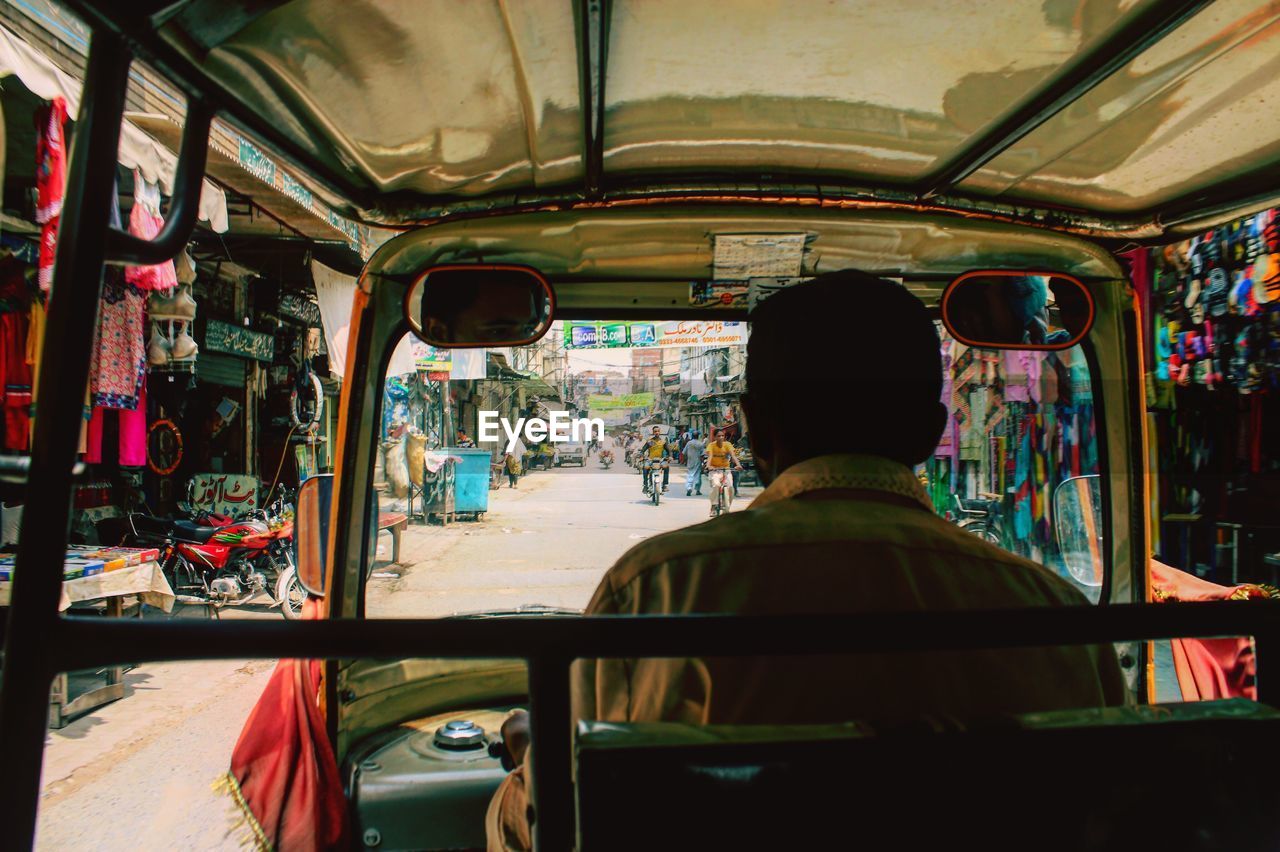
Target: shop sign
{"type": "Point", "coordinates": [300, 308]}
{"type": "Point", "coordinates": [225, 493]}
{"type": "Point", "coordinates": [605, 402]}
{"type": "Point", "coordinates": [438, 377]}
{"type": "Point", "coordinates": [237, 340]}
{"type": "Point", "coordinates": [256, 163]}
{"type": "Point", "coordinates": [346, 226]}
{"type": "Point", "coordinates": [295, 190]}
{"type": "Point", "coordinates": [653, 335]}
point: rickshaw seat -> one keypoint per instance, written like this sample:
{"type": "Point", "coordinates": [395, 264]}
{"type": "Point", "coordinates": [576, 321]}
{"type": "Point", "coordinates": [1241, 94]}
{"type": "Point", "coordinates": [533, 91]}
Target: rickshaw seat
{"type": "Point", "coordinates": [1182, 776]}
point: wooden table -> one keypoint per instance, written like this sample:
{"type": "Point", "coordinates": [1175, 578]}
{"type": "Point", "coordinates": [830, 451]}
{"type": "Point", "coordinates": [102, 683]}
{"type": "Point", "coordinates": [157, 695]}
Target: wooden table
{"type": "Point", "coordinates": [147, 583]}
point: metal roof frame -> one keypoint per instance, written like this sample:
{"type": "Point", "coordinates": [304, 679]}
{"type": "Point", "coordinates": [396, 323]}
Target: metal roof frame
{"type": "Point", "coordinates": [139, 23]}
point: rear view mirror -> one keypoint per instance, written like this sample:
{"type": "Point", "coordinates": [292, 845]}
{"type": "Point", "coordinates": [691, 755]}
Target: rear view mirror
{"type": "Point", "coordinates": [464, 306]}
{"type": "Point", "coordinates": [1004, 309]}
{"type": "Point", "coordinates": [311, 532]}
{"type": "Point", "coordinates": [1077, 520]}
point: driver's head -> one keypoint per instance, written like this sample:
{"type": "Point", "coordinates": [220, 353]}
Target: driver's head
{"type": "Point", "coordinates": [868, 383]}
{"type": "Point", "coordinates": [655, 431]}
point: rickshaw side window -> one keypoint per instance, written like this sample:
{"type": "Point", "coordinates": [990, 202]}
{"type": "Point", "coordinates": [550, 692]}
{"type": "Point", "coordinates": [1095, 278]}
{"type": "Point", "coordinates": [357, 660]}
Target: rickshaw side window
{"type": "Point", "coordinates": [1022, 424]}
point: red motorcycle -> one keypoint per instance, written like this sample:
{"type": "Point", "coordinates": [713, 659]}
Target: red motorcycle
{"type": "Point", "coordinates": [220, 561]}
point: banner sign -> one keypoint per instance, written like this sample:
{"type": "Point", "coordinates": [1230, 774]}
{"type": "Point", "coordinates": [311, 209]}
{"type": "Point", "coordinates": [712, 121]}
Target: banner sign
{"type": "Point", "coordinates": [429, 359]}
{"type": "Point", "coordinates": [605, 402]}
{"type": "Point", "coordinates": [649, 335]}
{"type": "Point", "coordinates": [238, 340]}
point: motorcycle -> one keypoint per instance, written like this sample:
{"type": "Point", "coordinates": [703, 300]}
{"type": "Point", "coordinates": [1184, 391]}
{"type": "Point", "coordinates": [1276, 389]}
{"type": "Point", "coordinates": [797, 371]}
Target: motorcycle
{"type": "Point", "coordinates": [606, 458]}
{"type": "Point", "coordinates": [219, 561]}
{"type": "Point", "coordinates": [652, 484]}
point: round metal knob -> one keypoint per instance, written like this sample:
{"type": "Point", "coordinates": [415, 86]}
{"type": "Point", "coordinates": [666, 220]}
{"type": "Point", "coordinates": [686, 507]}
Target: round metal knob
{"type": "Point", "coordinates": [460, 734]}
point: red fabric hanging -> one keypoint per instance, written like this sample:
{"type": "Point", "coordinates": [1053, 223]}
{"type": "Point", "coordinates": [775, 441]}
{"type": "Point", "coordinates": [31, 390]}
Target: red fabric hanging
{"type": "Point", "coordinates": [51, 181]}
{"type": "Point", "coordinates": [1209, 668]}
{"type": "Point", "coordinates": [284, 775]}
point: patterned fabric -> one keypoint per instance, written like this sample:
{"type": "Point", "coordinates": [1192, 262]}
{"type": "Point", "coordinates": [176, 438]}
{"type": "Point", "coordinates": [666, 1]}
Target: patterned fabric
{"type": "Point", "coordinates": [119, 358]}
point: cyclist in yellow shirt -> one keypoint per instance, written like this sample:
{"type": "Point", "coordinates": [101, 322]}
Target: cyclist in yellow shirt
{"type": "Point", "coordinates": [720, 454]}
{"type": "Point", "coordinates": [655, 449]}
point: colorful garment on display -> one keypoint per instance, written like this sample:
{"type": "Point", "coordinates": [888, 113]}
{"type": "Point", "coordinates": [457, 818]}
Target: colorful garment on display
{"type": "Point", "coordinates": [51, 181]}
{"type": "Point", "coordinates": [145, 222]}
{"type": "Point", "coordinates": [15, 371]}
{"type": "Point", "coordinates": [132, 438]}
{"type": "Point", "coordinates": [118, 364]}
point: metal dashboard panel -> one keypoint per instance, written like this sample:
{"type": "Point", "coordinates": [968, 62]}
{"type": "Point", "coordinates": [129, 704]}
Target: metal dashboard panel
{"type": "Point", "coordinates": [410, 794]}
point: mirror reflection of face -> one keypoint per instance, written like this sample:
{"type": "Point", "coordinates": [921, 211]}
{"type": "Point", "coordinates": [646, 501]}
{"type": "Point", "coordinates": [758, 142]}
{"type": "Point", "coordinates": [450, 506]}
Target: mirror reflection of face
{"type": "Point", "coordinates": [468, 307]}
{"type": "Point", "coordinates": [1011, 310]}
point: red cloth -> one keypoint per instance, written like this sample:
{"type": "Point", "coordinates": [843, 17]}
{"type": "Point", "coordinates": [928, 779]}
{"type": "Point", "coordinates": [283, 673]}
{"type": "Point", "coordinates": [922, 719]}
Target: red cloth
{"type": "Point", "coordinates": [15, 372]}
{"type": "Point", "coordinates": [285, 766]}
{"type": "Point", "coordinates": [1209, 668]}
{"type": "Point", "coordinates": [51, 181]}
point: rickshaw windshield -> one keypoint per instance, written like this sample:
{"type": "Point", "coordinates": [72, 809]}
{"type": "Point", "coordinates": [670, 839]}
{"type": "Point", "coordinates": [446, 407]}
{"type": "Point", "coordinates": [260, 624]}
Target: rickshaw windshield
{"type": "Point", "coordinates": [511, 480]}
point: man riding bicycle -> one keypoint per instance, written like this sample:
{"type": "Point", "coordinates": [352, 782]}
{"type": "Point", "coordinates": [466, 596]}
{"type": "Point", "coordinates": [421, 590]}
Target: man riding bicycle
{"type": "Point", "coordinates": [719, 454]}
{"type": "Point", "coordinates": [654, 451]}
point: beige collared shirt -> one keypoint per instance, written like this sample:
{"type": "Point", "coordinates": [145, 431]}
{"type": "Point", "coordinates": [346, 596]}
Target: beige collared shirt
{"type": "Point", "coordinates": [836, 534]}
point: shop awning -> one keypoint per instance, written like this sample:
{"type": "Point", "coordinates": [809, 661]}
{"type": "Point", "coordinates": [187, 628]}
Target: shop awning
{"type": "Point", "coordinates": [137, 150]}
{"type": "Point", "coordinates": [236, 162]}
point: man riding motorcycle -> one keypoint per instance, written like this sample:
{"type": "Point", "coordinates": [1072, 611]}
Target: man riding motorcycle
{"type": "Point", "coordinates": [719, 454]}
{"type": "Point", "coordinates": [655, 450]}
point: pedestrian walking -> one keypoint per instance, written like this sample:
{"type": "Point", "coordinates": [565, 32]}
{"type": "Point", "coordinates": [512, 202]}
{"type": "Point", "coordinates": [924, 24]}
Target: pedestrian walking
{"type": "Point", "coordinates": [694, 450]}
{"type": "Point", "coordinates": [513, 469]}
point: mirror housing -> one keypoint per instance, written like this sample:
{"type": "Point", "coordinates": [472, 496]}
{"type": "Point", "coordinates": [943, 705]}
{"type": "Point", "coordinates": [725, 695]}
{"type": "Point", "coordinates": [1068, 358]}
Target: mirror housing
{"type": "Point", "coordinates": [1017, 309]}
{"type": "Point", "coordinates": [311, 532]}
{"type": "Point", "coordinates": [468, 306]}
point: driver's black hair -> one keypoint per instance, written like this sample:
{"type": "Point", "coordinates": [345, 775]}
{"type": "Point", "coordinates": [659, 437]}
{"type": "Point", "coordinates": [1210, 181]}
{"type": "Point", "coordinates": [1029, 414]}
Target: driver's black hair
{"type": "Point", "coordinates": [846, 363]}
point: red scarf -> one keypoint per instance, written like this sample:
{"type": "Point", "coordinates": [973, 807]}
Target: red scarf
{"type": "Point", "coordinates": [1209, 668]}
{"type": "Point", "coordinates": [284, 775]}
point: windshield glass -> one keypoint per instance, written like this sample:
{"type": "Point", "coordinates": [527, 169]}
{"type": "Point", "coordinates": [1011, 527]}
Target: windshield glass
{"type": "Point", "coordinates": [482, 509]}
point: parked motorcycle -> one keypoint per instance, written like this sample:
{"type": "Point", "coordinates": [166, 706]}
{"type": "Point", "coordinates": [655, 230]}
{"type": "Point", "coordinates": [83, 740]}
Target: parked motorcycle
{"type": "Point", "coordinates": [219, 561]}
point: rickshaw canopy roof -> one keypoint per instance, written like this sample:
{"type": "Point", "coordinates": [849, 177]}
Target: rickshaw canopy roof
{"type": "Point", "coordinates": [1126, 118]}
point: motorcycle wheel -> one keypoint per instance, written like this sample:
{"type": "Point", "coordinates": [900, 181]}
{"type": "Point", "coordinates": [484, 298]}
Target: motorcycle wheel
{"type": "Point", "coordinates": [290, 594]}
{"type": "Point", "coordinates": [655, 490]}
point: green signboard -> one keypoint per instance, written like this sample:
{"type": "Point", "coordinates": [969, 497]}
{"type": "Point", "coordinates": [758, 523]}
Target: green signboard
{"type": "Point", "coordinates": [240, 341]}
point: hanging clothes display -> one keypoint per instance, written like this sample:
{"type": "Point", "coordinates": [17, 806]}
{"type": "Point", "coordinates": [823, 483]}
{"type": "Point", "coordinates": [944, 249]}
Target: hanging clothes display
{"type": "Point", "coordinates": [51, 181]}
{"type": "Point", "coordinates": [145, 222]}
{"type": "Point", "coordinates": [119, 358]}
{"type": "Point", "coordinates": [15, 372]}
{"type": "Point", "coordinates": [132, 437]}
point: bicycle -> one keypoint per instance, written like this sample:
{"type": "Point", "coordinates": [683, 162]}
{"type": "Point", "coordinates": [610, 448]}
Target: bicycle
{"type": "Point", "coordinates": [721, 481]}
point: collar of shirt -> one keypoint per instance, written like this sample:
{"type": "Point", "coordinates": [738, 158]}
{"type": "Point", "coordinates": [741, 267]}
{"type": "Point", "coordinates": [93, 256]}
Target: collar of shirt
{"type": "Point", "coordinates": [846, 471]}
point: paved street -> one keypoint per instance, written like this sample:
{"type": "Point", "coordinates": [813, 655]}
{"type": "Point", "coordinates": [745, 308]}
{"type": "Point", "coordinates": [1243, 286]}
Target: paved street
{"type": "Point", "coordinates": [137, 774]}
{"type": "Point", "coordinates": [547, 542]}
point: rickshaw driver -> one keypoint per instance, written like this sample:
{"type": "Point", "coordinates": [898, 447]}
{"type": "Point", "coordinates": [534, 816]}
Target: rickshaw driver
{"type": "Point", "coordinates": [843, 526]}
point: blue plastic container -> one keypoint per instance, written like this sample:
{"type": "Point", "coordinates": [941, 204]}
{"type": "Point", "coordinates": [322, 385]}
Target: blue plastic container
{"type": "Point", "coordinates": [470, 481]}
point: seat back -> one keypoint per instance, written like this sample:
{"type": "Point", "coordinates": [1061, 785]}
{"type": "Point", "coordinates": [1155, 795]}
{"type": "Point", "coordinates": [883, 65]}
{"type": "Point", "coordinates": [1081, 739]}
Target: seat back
{"type": "Point", "coordinates": [1189, 776]}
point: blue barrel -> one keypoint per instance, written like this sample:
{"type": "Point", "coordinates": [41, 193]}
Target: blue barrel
{"type": "Point", "coordinates": [470, 480]}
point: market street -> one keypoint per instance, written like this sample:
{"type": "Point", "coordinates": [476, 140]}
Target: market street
{"type": "Point", "coordinates": [139, 772]}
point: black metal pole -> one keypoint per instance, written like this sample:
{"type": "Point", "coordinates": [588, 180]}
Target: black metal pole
{"type": "Point", "coordinates": [551, 721]}
{"type": "Point", "coordinates": [64, 371]}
